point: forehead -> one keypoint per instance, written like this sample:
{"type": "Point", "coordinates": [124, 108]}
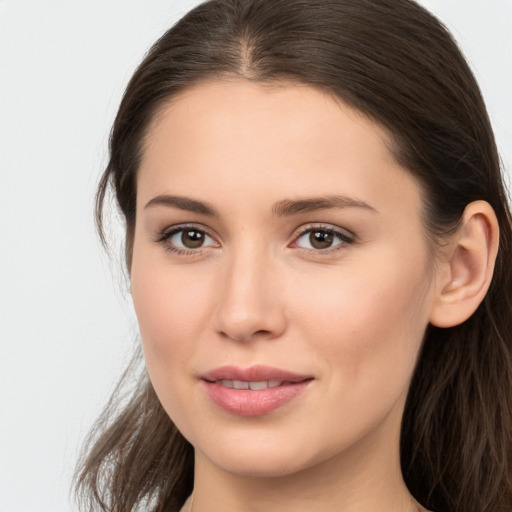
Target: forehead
{"type": "Point", "coordinates": [264, 108]}
{"type": "Point", "coordinates": [275, 140]}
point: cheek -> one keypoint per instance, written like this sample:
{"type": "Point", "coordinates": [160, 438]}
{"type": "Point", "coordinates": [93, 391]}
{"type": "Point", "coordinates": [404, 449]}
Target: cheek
{"type": "Point", "coordinates": [171, 310]}
{"type": "Point", "coordinates": [171, 307]}
{"type": "Point", "coordinates": [365, 335]}
{"type": "Point", "coordinates": [368, 321]}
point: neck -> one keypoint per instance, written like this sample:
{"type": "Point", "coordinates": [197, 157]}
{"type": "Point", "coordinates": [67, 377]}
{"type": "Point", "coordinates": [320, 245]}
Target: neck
{"type": "Point", "coordinates": [366, 477]}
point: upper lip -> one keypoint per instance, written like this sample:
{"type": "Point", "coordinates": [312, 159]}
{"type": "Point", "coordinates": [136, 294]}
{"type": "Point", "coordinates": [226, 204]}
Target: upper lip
{"type": "Point", "coordinates": [255, 373]}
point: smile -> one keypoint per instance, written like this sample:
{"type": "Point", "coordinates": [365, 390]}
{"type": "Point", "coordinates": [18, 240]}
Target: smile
{"type": "Point", "coordinates": [253, 391]}
{"type": "Point", "coordinates": [254, 386]}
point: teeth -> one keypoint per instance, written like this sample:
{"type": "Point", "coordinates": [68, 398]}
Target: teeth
{"type": "Point", "coordinates": [241, 384]}
{"type": "Point", "coordinates": [258, 385]}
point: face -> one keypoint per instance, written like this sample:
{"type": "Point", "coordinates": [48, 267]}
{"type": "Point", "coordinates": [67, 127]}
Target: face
{"type": "Point", "coordinates": [280, 276]}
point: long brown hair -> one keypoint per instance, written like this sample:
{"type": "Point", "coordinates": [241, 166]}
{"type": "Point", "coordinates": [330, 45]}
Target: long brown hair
{"type": "Point", "coordinates": [397, 64]}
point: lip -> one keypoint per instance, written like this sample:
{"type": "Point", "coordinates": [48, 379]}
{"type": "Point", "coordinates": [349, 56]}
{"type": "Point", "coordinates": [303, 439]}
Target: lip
{"type": "Point", "coordinates": [256, 402]}
{"type": "Point", "coordinates": [253, 374]}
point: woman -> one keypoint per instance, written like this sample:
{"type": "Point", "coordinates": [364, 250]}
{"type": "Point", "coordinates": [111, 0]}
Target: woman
{"type": "Point", "coordinates": [318, 243]}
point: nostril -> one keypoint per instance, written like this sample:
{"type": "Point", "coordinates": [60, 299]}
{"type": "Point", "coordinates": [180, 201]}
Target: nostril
{"type": "Point", "coordinates": [247, 335]}
{"type": "Point", "coordinates": [262, 332]}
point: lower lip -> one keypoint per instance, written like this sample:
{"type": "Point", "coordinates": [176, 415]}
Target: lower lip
{"type": "Point", "coordinates": [244, 402]}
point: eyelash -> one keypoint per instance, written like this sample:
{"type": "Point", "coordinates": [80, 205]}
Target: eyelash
{"type": "Point", "coordinates": [164, 237]}
{"type": "Point", "coordinates": [345, 238]}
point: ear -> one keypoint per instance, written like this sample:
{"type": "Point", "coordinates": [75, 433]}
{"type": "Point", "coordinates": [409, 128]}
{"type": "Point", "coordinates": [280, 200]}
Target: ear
{"type": "Point", "coordinates": [466, 265]}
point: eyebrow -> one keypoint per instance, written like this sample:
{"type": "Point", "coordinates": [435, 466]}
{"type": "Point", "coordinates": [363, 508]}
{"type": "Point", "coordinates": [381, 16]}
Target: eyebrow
{"type": "Point", "coordinates": [289, 207]}
{"type": "Point", "coordinates": [183, 203]}
{"type": "Point", "coordinates": [284, 208]}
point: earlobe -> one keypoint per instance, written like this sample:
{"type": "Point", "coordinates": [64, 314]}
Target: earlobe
{"type": "Point", "coordinates": [468, 265]}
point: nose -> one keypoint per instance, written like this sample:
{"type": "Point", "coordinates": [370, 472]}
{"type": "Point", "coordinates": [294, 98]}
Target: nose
{"type": "Point", "coordinates": [250, 299]}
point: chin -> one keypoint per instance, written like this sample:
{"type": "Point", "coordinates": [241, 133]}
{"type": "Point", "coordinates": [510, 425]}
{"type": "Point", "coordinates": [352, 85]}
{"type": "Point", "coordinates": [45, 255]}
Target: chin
{"type": "Point", "coordinates": [261, 465]}
{"type": "Point", "coordinates": [263, 457]}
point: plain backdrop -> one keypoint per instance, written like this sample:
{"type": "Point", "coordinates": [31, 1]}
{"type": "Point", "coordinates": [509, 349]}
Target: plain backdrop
{"type": "Point", "coordinates": [66, 324]}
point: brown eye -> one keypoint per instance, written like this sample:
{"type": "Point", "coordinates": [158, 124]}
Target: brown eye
{"type": "Point", "coordinates": [321, 239]}
{"type": "Point", "coordinates": [192, 239]}
{"type": "Point", "coordinates": [187, 238]}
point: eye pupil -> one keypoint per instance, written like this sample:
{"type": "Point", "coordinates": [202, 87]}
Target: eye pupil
{"type": "Point", "coordinates": [192, 239]}
{"type": "Point", "coordinates": [321, 239]}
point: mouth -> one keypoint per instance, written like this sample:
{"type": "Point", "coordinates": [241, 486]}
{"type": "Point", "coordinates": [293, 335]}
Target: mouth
{"type": "Point", "coordinates": [254, 374]}
{"type": "Point", "coordinates": [253, 386]}
{"type": "Point", "coordinates": [253, 391]}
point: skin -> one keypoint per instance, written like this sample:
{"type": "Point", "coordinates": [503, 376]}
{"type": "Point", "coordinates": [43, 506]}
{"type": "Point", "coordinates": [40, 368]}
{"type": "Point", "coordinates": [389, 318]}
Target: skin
{"type": "Point", "coordinates": [352, 316]}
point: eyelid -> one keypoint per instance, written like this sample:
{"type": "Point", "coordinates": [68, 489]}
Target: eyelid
{"type": "Point", "coordinates": [346, 237]}
{"type": "Point", "coordinates": [163, 237]}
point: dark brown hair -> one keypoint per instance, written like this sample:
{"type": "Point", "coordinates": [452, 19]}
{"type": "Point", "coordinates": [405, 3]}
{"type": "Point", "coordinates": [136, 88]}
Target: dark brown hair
{"type": "Point", "coordinates": [397, 64]}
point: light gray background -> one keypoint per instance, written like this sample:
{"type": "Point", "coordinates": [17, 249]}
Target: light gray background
{"type": "Point", "coordinates": [66, 325]}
